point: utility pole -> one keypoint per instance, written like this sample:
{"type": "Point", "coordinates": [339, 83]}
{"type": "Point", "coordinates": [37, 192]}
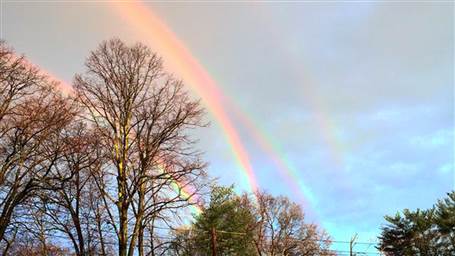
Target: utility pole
{"type": "Point", "coordinates": [352, 244]}
{"type": "Point", "coordinates": [213, 239]}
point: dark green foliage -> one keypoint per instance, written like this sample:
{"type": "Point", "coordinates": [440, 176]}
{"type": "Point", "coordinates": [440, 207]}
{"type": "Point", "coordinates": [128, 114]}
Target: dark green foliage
{"type": "Point", "coordinates": [421, 232]}
{"type": "Point", "coordinates": [231, 222]}
{"type": "Point", "coordinates": [445, 218]}
{"type": "Point", "coordinates": [227, 216]}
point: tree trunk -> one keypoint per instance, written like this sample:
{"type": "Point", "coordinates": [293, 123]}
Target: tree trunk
{"type": "Point", "coordinates": [140, 242]}
{"type": "Point", "coordinates": [100, 231]}
{"type": "Point", "coordinates": [123, 230]}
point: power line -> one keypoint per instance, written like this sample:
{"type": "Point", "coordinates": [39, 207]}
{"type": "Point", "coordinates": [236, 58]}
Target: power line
{"type": "Point", "coordinates": [243, 233]}
{"type": "Point", "coordinates": [356, 252]}
{"type": "Point", "coordinates": [169, 237]}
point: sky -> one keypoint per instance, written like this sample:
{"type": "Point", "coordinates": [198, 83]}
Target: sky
{"type": "Point", "coordinates": [345, 107]}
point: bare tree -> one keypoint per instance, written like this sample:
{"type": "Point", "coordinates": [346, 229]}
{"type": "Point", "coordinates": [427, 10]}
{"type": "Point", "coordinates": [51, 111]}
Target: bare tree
{"type": "Point", "coordinates": [32, 117]}
{"type": "Point", "coordinates": [76, 210]}
{"type": "Point", "coordinates": [281, 230]}
{"type": "Point", "coordinates": [142, 115]}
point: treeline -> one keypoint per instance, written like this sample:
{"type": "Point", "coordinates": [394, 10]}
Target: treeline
{"type": "Point", "coordinates": [242, 225]}
{"type": "Point", "coordinates": [421, 232]}
{"type": "Point", "coordinates": [111, 168]}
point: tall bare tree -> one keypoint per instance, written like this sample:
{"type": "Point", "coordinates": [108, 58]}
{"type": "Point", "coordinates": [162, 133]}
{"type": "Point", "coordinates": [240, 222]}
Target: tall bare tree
{"type": "Point", "coordinates": [142, 115]}
{"type": "Point", "coordinates": [32, 117]}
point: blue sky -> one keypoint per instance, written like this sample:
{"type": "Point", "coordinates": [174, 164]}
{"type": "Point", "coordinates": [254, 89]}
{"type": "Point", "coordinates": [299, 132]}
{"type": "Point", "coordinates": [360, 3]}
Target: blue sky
{"type": "Point", "coordinates": [359, 96]}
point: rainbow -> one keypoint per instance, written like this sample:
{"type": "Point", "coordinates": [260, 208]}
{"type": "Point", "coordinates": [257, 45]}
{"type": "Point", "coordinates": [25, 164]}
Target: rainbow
{"type": "Point", "coordinates": [184, 191]}
{"type": "Point", "coordinates": [302, 72]}
{"type": "Point", "coordinates": [63, 86]}
{"type": "Point", "coordinates": [184, 194]}
{"type": "Point", "coordinates": [178, 58]}
{"type": "Point", "coordinates": [274, 153]}
{"type": "Point", "coordinates": [325, 123]}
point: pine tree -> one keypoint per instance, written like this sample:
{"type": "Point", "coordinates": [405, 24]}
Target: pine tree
{"type": "Point", "coordinates": [421, 232]}
{"type": "Point", "coordinates": [229, 220]}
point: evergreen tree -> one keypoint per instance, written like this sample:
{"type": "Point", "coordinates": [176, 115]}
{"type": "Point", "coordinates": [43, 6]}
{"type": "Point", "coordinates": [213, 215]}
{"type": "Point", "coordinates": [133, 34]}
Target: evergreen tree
{"type": "Point", "coordinates": [421, 232]}
{"type": "Point", "coordinates": [445, 221]}
{"type": "Point", "coordinates": [229, 221]}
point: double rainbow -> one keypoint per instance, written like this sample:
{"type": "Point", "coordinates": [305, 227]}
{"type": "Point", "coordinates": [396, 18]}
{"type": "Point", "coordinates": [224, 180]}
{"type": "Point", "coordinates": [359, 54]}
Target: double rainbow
{"type": "Point", "coordinates": [179, 59]}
